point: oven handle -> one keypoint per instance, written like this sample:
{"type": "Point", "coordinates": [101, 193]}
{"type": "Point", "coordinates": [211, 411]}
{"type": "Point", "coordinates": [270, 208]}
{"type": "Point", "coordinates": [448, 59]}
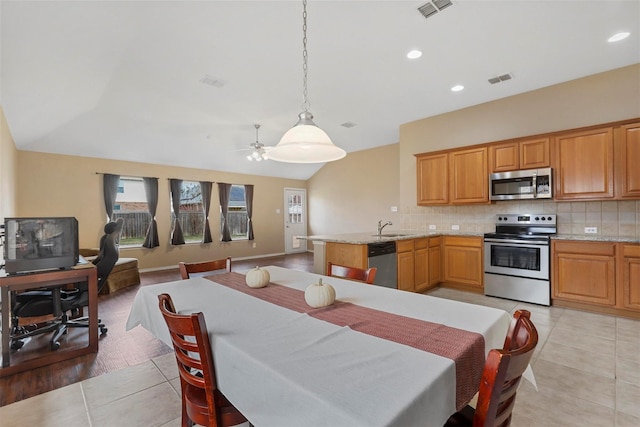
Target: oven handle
{"type": "Point", "coordinates": [519, 242]}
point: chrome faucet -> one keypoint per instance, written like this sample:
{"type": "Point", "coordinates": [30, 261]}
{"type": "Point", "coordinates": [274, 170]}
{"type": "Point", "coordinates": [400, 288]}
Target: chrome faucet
{"type": "Point", "coordinates": [381, 226]}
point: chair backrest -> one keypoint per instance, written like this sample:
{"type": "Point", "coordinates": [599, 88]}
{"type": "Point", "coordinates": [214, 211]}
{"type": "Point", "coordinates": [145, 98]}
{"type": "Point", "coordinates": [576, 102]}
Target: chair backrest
{"type": "Point", "coordinates": [503, 371]}
{"type": "Point", "coordinates": [109, 250]}
{"type": "Point", "coordinates": [193, 353]}
{"type": "Point", "coordinates": [188, 268]}
{"type": "Point", "coordinates": [353, 273]}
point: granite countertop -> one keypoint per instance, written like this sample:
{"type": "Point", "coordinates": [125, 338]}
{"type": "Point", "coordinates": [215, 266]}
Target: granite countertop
{"type": "Point", "coordinates": [391, 236]}
{"type": "Point", "coordinates": [596, 238]}
{"type": "Point", "coordinates": [364, 238]}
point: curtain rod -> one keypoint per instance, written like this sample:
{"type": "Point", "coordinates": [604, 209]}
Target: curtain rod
{"type": "Point", "coordinates": [105, 173]}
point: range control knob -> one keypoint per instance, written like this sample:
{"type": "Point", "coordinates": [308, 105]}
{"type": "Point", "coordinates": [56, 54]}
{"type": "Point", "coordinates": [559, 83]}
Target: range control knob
{"type": "Point", "coordinates": [538, 218]}
{"type": "Point", "coordinates": [549, 218]}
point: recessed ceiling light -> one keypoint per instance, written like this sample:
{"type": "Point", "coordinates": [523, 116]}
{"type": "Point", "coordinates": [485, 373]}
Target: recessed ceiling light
{"type": "Point", "coordinates": [457, 88]}
{"type": "Point", "coordinates": [414, 54]}
{"type": "Point", "coordinates": [617, 37]}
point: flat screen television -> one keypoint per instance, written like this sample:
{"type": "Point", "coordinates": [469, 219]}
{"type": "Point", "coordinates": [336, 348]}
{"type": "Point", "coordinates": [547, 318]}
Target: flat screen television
{"type": "Point", "coordinates": [33, 244]}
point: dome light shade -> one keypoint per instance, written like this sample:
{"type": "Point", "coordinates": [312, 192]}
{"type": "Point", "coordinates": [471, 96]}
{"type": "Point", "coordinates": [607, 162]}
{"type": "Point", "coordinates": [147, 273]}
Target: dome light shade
{"type": "Point", "coordinates": [306, 143]}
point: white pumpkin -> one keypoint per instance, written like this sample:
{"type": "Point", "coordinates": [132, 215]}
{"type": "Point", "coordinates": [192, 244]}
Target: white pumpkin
{"type": "Point", "coordinates": [319, 294]}
{"type": "Point", "coordinates": [257, 277]}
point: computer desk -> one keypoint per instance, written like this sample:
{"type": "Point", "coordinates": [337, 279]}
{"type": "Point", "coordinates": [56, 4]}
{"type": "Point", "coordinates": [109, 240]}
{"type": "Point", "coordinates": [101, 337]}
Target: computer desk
{"type": "Point", "coordinates": [23, 282]}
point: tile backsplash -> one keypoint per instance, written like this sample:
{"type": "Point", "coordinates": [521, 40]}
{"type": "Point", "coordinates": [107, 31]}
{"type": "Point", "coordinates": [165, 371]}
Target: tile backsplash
{"type": "Point", "coordinates": [611, 218]}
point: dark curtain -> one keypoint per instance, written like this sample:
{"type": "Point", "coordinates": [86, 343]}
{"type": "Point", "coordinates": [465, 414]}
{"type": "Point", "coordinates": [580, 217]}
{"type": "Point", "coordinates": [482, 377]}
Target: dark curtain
{"type": "Point", "coordinates": [151, 240]}
{"type": "Point", "coordinates": [110, 191]}
{"type": "Point", "coordinates": [248, 193]}
{"type": "Point", "coordinates": [176, 235]}
{"type": "Point", "coordinates": [224, 193]}
{"type": "Point", "coordinates": [205, 190]}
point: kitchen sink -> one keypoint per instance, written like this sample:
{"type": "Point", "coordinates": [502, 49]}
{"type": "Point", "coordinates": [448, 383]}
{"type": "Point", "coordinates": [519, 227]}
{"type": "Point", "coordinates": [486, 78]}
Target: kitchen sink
{"type": "Point", "coordinates": [390, 235]}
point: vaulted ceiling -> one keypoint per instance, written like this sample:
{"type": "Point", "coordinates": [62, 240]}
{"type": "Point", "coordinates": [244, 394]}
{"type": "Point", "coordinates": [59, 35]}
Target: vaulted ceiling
{"type": "Point", "coordinates": [183, 82]}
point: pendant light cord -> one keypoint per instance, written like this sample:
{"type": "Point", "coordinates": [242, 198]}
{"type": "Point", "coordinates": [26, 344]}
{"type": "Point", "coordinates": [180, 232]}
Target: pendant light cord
{"type": "Point", "coordinates": [305, 57]}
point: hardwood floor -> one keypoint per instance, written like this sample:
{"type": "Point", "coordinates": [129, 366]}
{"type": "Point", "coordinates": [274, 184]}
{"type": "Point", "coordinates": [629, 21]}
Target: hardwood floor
{"type": "Point", "coordinates": [118, 348]}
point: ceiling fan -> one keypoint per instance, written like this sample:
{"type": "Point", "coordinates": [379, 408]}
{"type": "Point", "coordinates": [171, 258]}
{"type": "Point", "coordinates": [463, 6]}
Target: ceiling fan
{"type": "Point", "coordinates": [259, 151]}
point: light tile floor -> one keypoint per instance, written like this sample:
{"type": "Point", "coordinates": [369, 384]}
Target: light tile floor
{"type": "Point", "coordinates": [587, 369]}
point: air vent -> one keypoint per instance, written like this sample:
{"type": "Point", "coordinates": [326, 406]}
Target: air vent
{"type": "Point", "coordinates": [349, 124]}
{"type": "Point", "coordinates": [431, 8]}
{"type": "Point", "coordinates": [498, 79]}
{"type": "Point", "coordinates": [212, 81]}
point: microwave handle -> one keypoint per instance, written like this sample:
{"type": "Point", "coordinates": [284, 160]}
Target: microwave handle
{"type": "Point", "coordinates": [535, 186]}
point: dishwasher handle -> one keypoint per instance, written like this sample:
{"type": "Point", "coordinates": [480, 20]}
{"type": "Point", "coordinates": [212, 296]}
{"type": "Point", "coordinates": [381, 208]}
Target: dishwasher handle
{"type": "Point", "coordinates": [382, 248]}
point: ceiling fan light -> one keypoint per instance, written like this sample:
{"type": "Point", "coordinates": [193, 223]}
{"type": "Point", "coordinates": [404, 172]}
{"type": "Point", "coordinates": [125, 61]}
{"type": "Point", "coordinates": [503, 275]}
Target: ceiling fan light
{"type": "Point", "coordinates": [250, 157]}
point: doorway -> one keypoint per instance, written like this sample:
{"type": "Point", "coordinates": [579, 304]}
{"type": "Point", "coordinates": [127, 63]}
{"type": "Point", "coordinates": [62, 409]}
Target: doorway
{"type": "Point", "coordinates": [295, 220]}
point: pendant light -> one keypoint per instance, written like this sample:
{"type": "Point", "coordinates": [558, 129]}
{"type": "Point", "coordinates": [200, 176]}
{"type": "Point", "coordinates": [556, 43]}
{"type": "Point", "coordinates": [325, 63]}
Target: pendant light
{"type": "Point", "coordinates": [305, 142]}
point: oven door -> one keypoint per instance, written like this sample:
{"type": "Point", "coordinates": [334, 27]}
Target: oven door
{"type": "Point", "coordinates": [517, 258]}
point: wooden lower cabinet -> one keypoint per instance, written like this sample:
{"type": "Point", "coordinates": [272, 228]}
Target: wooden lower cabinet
{"type": "Point", "coordinates": [406, 265]}
{"type": "Point", "coordinates": [463, 261]}
{"type": "Point", "coordinates": [584, 272]}
{"type": "Point", "coordinates": [597, 276]}
{"type": "Point", "coordinates": [419, 263]}
{"type": "Point", "coordinates": [629, 277]}
{"type": "Point", "coordinates": [435, 261]}
{"type": "Point", "coordinates": [346, 254]}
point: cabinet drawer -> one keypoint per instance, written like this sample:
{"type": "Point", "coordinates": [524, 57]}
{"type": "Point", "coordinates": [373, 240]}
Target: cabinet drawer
{"type": "Point", "coordinates": [591, 248]}
{"type": "Point", "coordinates": [632, 251]}
{"type": "Point", "coordinates": [404, 246]}
{"type": "Point", "coordinates": [435, 241]}
{"type": "Point", "coordinates": [471, 242]}
{"type": "Point", "coordinates": [421, 243]}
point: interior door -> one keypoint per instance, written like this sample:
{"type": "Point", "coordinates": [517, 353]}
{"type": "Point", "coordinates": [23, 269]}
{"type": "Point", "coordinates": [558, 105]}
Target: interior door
{"type": "Point", "coordinates": [295, 220]}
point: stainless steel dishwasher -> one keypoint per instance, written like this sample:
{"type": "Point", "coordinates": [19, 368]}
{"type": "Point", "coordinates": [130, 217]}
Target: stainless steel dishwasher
{"type": "Point", "coordinates": [382, 255]}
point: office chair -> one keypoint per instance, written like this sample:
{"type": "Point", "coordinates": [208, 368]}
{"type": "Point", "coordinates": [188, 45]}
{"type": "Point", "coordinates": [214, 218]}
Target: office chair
{"type": "Point", "coordinates": [202, 401]}
{"type": "Point", "coordinates": [62, 306]}
{"type": "Point", "coordinates": [501, 377]}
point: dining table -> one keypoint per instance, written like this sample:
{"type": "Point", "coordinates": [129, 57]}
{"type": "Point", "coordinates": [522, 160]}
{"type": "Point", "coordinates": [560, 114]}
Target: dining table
{"type": "Point", "coordinates": [376, 357]}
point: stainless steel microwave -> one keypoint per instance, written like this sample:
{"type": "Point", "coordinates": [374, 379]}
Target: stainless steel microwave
{"type": "Point", "coordinates": [522, 184]}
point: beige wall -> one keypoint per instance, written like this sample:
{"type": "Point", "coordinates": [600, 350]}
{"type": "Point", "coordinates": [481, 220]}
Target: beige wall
{"type": "Point", "coordinates": [352, 194]}
{"type": "Point", "coordinates": [8, 170]}
{"type": "Point", "coordinates": [600, 98]}
{"type": "Point", "coordinates": [57, 185]}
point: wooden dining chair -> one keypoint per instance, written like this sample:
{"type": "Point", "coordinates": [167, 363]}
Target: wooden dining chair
{"type": "Point", "coordinates": [352, 273]}
{"type": "Point", "coordinates": [188, 268]}
{"type": "Point", "coordinates": [501, 377]}
{"type": "Point", "coordinates": [202, 402]}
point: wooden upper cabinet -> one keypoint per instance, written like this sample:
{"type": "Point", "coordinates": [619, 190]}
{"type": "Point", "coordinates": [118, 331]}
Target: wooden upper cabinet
{"type": "Point", "coordinates": [469, 176]}
{"type": "Point", "coordinates": [504, 157]}
{"type": "Point", "coordinates": [583, 165]}
{"type": "Point", "coordinates": [627, 148]}
{"type": "Point", "coordinates": [433, 173]}
{"type": "Point", "coordinates": [535, 153]}
{"type": "Point", "coordinates": [515, 155]}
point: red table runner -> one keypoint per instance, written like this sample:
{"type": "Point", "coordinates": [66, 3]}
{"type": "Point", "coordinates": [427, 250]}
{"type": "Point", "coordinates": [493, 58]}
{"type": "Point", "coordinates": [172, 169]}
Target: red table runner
{"type": "Point", "coordinates": [465, 348]}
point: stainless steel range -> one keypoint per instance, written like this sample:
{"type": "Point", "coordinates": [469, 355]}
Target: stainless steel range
{"type": "Point", "coordinates": [517, 257]}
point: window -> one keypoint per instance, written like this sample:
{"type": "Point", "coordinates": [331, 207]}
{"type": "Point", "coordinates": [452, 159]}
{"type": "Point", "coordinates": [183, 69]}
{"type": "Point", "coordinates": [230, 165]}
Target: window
{"type": "Point", "coordinates": [191, 212]}
{"type": "Point", "coordinates": [237, 214]}
{"type": "Point", "coordinates": [131, 205]}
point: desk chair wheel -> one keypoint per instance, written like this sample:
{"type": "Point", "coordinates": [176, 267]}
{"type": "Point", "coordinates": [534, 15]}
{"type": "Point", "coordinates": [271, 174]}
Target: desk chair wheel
{"type": "Point", "coordinates": [103, 330]}
{"type": "Point", "coordinates": [55, 345]}
{"type": "Point", "coordinates": [16, 344]}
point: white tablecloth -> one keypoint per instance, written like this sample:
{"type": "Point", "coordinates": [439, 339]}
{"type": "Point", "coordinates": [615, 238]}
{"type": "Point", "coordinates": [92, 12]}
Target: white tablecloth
{"type": "Point", "coordinates": [282, 368]}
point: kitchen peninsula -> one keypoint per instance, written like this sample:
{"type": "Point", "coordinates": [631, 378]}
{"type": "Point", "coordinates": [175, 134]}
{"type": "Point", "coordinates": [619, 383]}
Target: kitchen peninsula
{"type": "Point", "coordinates": [417, 261]}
